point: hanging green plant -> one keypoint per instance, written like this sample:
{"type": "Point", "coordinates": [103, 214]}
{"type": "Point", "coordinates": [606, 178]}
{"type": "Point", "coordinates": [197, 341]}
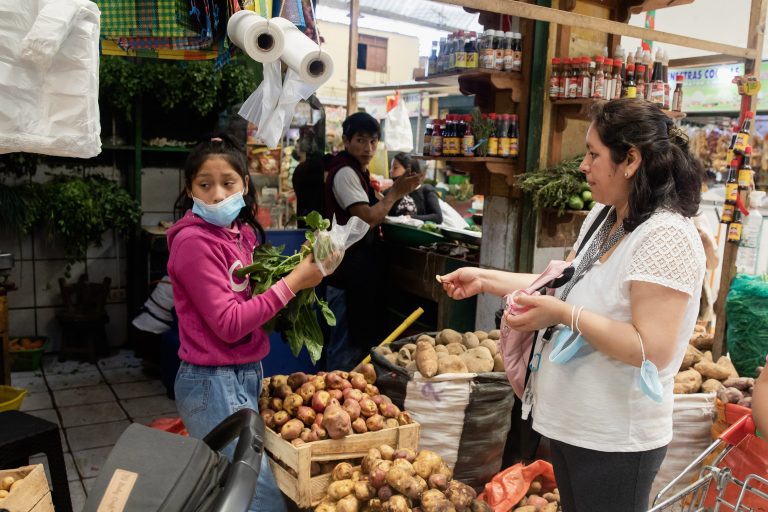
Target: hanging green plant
{"type": "Point", "coordinates": [75, 210]}
{"type": "Point", "coordinates": [561, 187]}
{"type": "Point", "coordinates": [196, 84]}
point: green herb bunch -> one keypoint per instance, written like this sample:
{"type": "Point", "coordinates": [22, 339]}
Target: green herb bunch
{"type": "Point", "coordinates": [297, 321]}
{"type": "Point", "coordinates": [482, 128]}
{"type": "Point", "coordinates": [555, 187]}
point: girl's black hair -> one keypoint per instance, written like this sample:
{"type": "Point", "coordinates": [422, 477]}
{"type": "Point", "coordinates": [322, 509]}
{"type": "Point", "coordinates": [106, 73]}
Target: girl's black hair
{"type": "Point", "coordinates": [230, 149]}
{"type": "Point", "coordinates": [669, 176]}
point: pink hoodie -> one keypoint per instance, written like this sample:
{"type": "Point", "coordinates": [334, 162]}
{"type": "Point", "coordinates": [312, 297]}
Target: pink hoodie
{"type": "Point", "coordinates": [219, 322]}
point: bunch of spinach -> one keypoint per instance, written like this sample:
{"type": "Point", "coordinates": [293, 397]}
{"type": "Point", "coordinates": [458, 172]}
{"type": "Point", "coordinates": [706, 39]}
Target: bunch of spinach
{"type": "Point", "coordinates": [297, 321]}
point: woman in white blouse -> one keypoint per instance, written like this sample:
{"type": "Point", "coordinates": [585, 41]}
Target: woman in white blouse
{"type": "Point", "coordinates": [633, 302]}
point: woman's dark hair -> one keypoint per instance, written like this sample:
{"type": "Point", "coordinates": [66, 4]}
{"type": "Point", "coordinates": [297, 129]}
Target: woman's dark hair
{"type": "Point", "coordinates": [360, 123]}
{"type": "Point", "coordinates": [225, 146]}
{"type": "Point", "coordinates": [405, 160]}
{"type": "Point", "coordinates": [669, 176]}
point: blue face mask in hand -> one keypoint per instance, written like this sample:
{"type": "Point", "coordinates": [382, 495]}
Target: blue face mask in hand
{"type": "Point", "coordinates": [648, 379]}
{"type": "Point", "coordinates": [221, 214]}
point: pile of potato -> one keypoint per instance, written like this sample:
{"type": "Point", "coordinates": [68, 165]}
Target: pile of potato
{"type": "Point", "coordinates": [7, 485]}
{"type": "Point", "coordinates": [303, 408]}
{"type": "Point", "coordinates": [449, 352]}
{"type": "Point", "coordinates": [537, 501]}
{"type": "Point", "coordinates": [699, 373]}
{"type": "Point", "coordinates": [398, 480]}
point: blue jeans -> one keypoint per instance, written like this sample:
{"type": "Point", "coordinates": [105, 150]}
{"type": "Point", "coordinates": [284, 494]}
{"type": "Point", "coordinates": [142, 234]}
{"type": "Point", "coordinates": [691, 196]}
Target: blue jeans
{"type": "Point", "coordinates": [206, 395]}
{"type": "Point", "coordinates": [340, 355]}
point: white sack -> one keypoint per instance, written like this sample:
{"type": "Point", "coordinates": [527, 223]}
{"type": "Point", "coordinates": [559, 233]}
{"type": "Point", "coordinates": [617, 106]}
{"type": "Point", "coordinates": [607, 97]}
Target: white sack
{"type": "Point", "coordinates": [49, 84]}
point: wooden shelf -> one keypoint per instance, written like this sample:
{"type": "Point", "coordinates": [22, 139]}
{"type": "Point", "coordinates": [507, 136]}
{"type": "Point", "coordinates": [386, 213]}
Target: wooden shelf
{"type": "Point", "coordinates": [578, 108]}
{"type": "Point", "coordinates": [479, 80]}
{"type": "Point", "coordinates": [508, 167]}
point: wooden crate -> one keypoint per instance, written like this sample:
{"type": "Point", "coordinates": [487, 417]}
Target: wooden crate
{"type": "Point", "coordinates": [306, 490]}
{"type": "Point", "coordinates": [32, 495]}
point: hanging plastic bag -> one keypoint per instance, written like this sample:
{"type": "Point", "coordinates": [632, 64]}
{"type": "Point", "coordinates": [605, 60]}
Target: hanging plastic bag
{"type": "Point", "coordinates": [398, 135]}
{"type": "Point", "coordinates": [278, 122]}
{"type": "Point", "coordinates": [507, 488]}
{"type": "Point", "coordinates": [259, 105]}
{"type": "Point", "coordinates": [330, 245]}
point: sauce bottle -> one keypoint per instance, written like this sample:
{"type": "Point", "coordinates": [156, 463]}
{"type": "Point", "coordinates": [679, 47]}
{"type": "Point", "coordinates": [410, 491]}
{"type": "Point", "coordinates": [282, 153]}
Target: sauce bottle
{"type": "Point", "coordinates": [665, 78]}
{"type": "Point", "coordinates": [503, 131]}
{"type": "Point", "coordinates": [599, 83]}
{"type": "Point", "coordinates": [486, 51]}
{"type": "Point", "coordinates": [731, 194]}
{"type": "Point", "coordinates": [629, 86]}
{"type": "Point", "coordinates": [493, 138]}
{"type": "Point", "coordinates": [468, 142]}
{"type": "Point", "coordinates": [745, 172]}
{"type": "Point", "coordinates": [554, 80]}
{"type": "Point", "coordinates": [514, 137]}
{"type": "Point", "coordinates": [734, 228]}
{"type": "Point", "coordinates": [640, 79]}
{"type": "Point", "coordinates": [618, 77]}
{"type": "Point", "coordinates": [677, 96]}
{"type": "Point", "coordinates": [432, 66]}
{"type": "Point", "coordinates": [461, 51]}
{"type": "Point", "coordinates": [742, 138]}
{"type": "Point", "coordinates": [573, 83]}
{"type": "Point", "coordinates": [657, 81]}
{"type": "Point", "coordinates": [517, 52]}
{"type": "Point", "coordinates": [498, 50]}
{"type": "Point", "coordinates": [427, 145]}
{"type": "Point", "coordinates": [436, 146]}
{"type": "Point", "coordinates": [470, 47]}
{"type": "Point", "coordinates": [609, 80]}
{"type": "Point", "coordinates": [508, 51]}
{"type": "Point", "coordinates": [585, 88]}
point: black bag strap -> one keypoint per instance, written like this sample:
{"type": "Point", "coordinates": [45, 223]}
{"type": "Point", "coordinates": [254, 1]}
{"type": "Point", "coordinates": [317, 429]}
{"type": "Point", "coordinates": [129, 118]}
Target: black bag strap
{"type": "Point", "coordinates": [593, 227]}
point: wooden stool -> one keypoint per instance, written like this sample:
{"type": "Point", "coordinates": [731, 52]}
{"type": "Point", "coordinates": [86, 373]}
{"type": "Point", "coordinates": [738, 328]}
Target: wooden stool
{"type": "Point", "coordinates": [23, 435]}
{"type": "Point", "coordinates": [84, 318]}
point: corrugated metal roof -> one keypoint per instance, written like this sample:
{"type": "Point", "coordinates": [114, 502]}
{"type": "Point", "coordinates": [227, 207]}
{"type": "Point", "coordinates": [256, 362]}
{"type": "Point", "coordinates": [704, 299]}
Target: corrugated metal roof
{"type": "Point", "coordinates": [420, 12]}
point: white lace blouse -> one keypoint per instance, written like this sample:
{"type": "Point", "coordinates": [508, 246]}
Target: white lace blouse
{"type": "Point", "coordinates": [593, 401]}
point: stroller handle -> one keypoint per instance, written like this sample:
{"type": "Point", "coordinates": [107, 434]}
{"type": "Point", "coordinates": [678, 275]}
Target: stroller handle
{"type": "Point", "coordinates": [240, 486]}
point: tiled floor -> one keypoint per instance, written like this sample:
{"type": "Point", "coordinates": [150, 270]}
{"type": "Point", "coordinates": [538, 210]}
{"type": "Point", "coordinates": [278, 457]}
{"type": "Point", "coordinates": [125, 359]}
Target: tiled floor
{"type": "Point", "coordinates": [92, 404]}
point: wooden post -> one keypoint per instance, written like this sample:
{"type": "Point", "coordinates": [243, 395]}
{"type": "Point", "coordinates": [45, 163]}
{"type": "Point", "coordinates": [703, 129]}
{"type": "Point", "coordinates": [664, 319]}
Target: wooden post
{"type": "Point", "coordinates": [354, 13]}
{"type": "Point", "coordinates": [755, 39]}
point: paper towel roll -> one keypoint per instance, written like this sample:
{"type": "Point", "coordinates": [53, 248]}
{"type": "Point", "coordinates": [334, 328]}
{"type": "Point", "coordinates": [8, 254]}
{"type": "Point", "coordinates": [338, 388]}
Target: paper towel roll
{"type": "Point", "coordinates": [303, 55]}
{"type": "Point", "coordinates": [259, 38]}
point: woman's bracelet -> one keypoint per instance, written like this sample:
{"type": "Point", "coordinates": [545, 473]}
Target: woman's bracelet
{"type": "Point", "coordinates": [578, 316]}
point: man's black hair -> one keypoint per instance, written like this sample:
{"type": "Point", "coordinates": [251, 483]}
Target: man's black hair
{"type": "Point", "coordinates": [361, 123]}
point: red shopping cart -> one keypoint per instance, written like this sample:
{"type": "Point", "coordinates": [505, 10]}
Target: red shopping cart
{"type": "Point", "coordinates": [736, 481]}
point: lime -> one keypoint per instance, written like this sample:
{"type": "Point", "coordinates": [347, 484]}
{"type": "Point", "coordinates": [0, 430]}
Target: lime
{"type": "Point", "coordinates": [586, 196]}
{"type": "Point", "coordinates": [584, 187]}
{"type": "Point", "coordinates": [590, 205]}
{"type": "Point", "coordinates": [575, 203]}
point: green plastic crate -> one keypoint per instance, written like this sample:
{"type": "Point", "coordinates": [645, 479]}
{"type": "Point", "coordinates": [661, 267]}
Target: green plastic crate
{"type": "Point", "coordinates": [28, 360]}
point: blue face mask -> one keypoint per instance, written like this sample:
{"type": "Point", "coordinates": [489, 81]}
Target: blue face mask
{"type": "Point", "coordinates": [566, 345]}
{"type": "Point", "coordinates": [649, 381]}
{"type": "Point", "coordinates": [221, 214]}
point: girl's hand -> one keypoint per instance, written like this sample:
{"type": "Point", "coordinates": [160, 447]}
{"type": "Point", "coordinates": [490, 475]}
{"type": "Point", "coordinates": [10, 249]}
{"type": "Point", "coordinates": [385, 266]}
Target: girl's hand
{"type": "Point", "coordinates": [545, 311]}
{"type": "Point", "coordinates": [462, 283]}
{"type": "Point", "coordinates": [305, 275]}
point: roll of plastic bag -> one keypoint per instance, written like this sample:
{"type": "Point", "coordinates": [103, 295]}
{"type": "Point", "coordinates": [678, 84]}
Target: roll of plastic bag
{"type": "Point", "coordinates": [260, 38]}
{"type": "Point", "coordinates": [303, 55]}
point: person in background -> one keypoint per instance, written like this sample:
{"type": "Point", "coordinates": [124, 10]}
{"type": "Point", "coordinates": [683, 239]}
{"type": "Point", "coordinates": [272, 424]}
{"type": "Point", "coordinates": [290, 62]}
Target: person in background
{"type": "Point", "coordinates": [308, 178]}
{"type": "Point", "coordinates": [421, 204]}
{"type": "Point", "coordinates": [220, 324]}
{"type": "Point", "coordinates": [631, 305]}
{"type": "Point", "coordinates": [353, 289]}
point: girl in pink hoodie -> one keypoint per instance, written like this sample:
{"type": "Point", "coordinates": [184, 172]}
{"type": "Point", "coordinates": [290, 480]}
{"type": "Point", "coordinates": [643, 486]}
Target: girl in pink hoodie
{"type": "Point", "coordinates": [220, 324]}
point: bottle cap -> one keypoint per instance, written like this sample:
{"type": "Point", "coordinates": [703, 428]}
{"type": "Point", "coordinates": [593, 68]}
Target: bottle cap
{"type": "Point", "coordinates": [609, 62]}
{"type": "Point", "coordinates": [748, 150]}
{"type": "Point", "coordinates": [518, 35]}
{"type": "Point", "coordinates": [499, 33]}
{"type": "Point", "coordinates": [555, 60]}
{"type": "Point", "coordinates": [749, 115]}
{"type": "Point", "coordinates": [599, 59]}
{"type": "Point", "coordinates": [509, 34]}
{"type": "Point", "coordinates": [489, 32]}
{"type": "Point", "coordinates": [630, 67]}
{"type": "Point", "coordinates": [640, 68]}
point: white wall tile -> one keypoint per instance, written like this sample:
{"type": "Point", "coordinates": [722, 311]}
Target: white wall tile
{"type": "Point", "coordinates": [46, 247]}
{"type": "Point", "coordinates": [21, 322]}
{"type": "Point", "coordinates": [152, 219]}
{"type": "Point", "coordinates": [22, 275]}
{"type": "Point", "coordinates": [47, 274]}
{"type": "Point", "coordinates": [159, 189]}
{"type": "Point", "coordinates": [115, 269]}
{"type": "Point", "coordinates": [19, 245]}
{"type": "Point", "coordinates": [117, 328]}
{"type": "Point", "coordinates": [112, 245]}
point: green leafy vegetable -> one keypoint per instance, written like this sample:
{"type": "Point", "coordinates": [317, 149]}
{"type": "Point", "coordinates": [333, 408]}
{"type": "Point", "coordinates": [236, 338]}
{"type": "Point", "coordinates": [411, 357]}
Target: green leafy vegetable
{"type": "Point", "coordinates": [297, 321]}
{"type": "Point", "coordinates": [554, 187]}
{"type": "Point", "coordinates": [431, 227]}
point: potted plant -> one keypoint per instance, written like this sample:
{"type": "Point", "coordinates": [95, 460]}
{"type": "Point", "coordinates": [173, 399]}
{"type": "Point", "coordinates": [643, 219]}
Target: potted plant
{"type": "Point", "coordinates": [562, 196]}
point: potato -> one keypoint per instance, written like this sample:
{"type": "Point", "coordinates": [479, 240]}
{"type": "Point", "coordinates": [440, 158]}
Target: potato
{"type": "Point", "coordinates": [702, 341]}
{"type": "Point", "coordinates": [358, 382]}
{"type": "Point", "coordinates": [340, 488]}
{"type": "Point", "coordinates": [479, 505]}
{"type": "Point", "coordinates": [391, 423]}
{"type": "Point", "coordinates": [534, 488]}
{"type": "Point", "coordinates": [3, 494]}
{"type": "Point", "coordinates": [297, 442]}
{"type": "Point", "coordinates": [447, 336]}
{"type": "Point", "coordinates": [481, 335]}
{"type": "Point", "coordinates": [550, 507]}
{"type": "Point", "coordinates": [353, 393]}
{"type": "Point", "coordinates": [494, 334]}
{"type": "Point", "coordinates": [443, 469]}
{"type": "Point", "coordinates": [455, 348]}
{"type": "Point", "coordinates": [352, 407]}
{"type": "Point", "coordinates": [491, 345]}
{"type": "Point", "coordinates": [336, 421]}
{"type": "Point", "coordinates": [292, 429]}
{"type": "Point", "coordinates": [498, 363]}
{"type": "Point", "coordinates": [368, 371]}
{"type": "Point", "coordinates": [403, 356]}
{"type": "Point", "coordinates": [291, 403]}
{"type": "Point", "coordinates": [364, 491]}
{"type": "Point", "coordinates": [296, 380]}
{"type": "Point", "coordinates": [374, 505]}
{"type": "Point", "coordinates": [551, 496]}
{"type": "Point", "coordinates": [377, 478]}
{"type": "Point", "coordinates": [368, 408]}
{"type": "Point", "coordinates": [392, 358]}
{"type": "Point", "coordinates": [278, 380]}
{"type": "Point", "coordinates": [451, 364]}
{"type": "Point", "coordinates": [276, 404]}
{"type": "Point", "coordinates": [370, 458]}
{"type": "Point", "coordinates": [740, 383]}
{"type": "Point", "coordinates": [404, 418]}
{"type": "Point", "coordinates": [692, 356]}
{"type": "Point", "coordinates": [478, 360]}
{"type": "Point", "coordinates": [348, 504]}
{"type": "Point", "coordinates": [385, 492]}
{"type": "Point", "coordinates": [537, 501]}
{"type": "Point", "coordinates": [438, 481]}
{"type": "Point", "coordinates": [435, 501]}
{"type": "Point", "coordinates": [342, 471]}
{"type": "Point", "coordinates": [711, 386]}
{"type": "Point", "coordinates": [426, 359]}
{"type": "Point", "coordinates": [404, 483]}
{"type": "Point", "coordinates": [440, 349]}
{"type": "Point", "coordinates": [410, 347]}
{"type": "Point", "coordinates": [427, 338]}
{"type": "Point", "coordinates": [525, 508]}
{"type": "Point", "coordinates": [397, 503]}
{"type": "Point", "coordinates": [404, 453]}
{"type": "Point", "coordinates": [710, 370]}
{"type": "Point", "coordinates": [726, 363]}
{"type": "Point", "coordinates": [283, 391]}
{"type": "Point", "coordinates": [6, 482]}
{"type": "Point", "coordinates": [402, 463]}
{"type": "Point", "coordinates": [387, 452]}
{"type": "Point", "coordinates": [375, 422]}
{"type": "Point", "coordinates": [306, 414]}
{"type": "Point", "coordinates": [389, 410]}
{"type": "Point", "coordinates": [460, 494]}
{"type": "Point", "coordinates": [359, 426]}
{"type": "Point", "coordinates": [688, 381]}
{"type": "Point", "coordinates": [426, 462]}
{"type": "Point", "coordinates": [470, 340]}
{"type": "Point", "coordinates": [730, 395]}
{"type": "Point", "coordinates": [411, 367]}
{"type": "Point", "coordinates": [267, 415]}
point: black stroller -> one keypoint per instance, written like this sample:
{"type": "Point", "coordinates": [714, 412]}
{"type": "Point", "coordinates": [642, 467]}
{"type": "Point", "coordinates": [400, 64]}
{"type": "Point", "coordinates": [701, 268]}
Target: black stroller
{"type": "Point", "coordinates": [152, 470]}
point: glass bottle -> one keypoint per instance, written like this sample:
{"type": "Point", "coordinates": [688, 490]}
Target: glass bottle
{"type": "Point", "coordinates": [451, 63]}
{"type": "Point", "coordinates": [665, 78]}
{"type": "Point", "coordinates": [630, 89]}
{"type": "Point", "coordinates": [657, 82]}
{"type": "Point", "coordinates": [599, 83]}
{"type": "Point", "coordinates": [573, 84]}
{"type": "Point", "coordinates": [647, 74]}
{"type": "Point", "coordinates": [640, 79]}
{"type": "Point", "coordinates": [436, 148]}
{"type": "Point", "coordinates": [487, 58]}
{"type": "Point", "coordinates": [517, 52]}
{"type": "Point", "coordinates": [432, 66]}
{"type": "Point", "coordinates": [493, 138]}
{"type": "Point", "coordinates": [731, 193]}
{"type": "Point", "coordinates": [514, 137]}
{"type": "Point", "coordinates": [461, 52]}
{"type": "Point", "coordinates": [498, 50]}
{"type": "Point", "coordinates": [745, 172]}
{"type": "Point", "coordinates": [608, 81]}
{"type": "Point", "coordinates": [618, 77]}
{"type": "Point", "coordinates": [677, 96]}
{"type": "Point", "coordinates": [427, 145]}
{"type": "Point", "coordinates": [742, 138]}
{"type": "Point", "coordinates": [441, 56]}
{"type": "Point", "coordinates": [586, 79]}
{"type": "Point", "coordinates": [503, 131]}
{"type": "Point", "coordinates": [468, 142]}
{"type": "Point", "coordinates": [470, 47]}
{"type": "Point", "coordinates": [554, 80]}
{"type": "Point", "coordinates": [508, 51]}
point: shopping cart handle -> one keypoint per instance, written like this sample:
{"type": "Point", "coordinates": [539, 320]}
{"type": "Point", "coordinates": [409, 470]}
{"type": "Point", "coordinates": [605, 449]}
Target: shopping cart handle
{"type": "Point", "coordinates": [740, 429]}
{"type": "Point", "coordinates": [240, 486]}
